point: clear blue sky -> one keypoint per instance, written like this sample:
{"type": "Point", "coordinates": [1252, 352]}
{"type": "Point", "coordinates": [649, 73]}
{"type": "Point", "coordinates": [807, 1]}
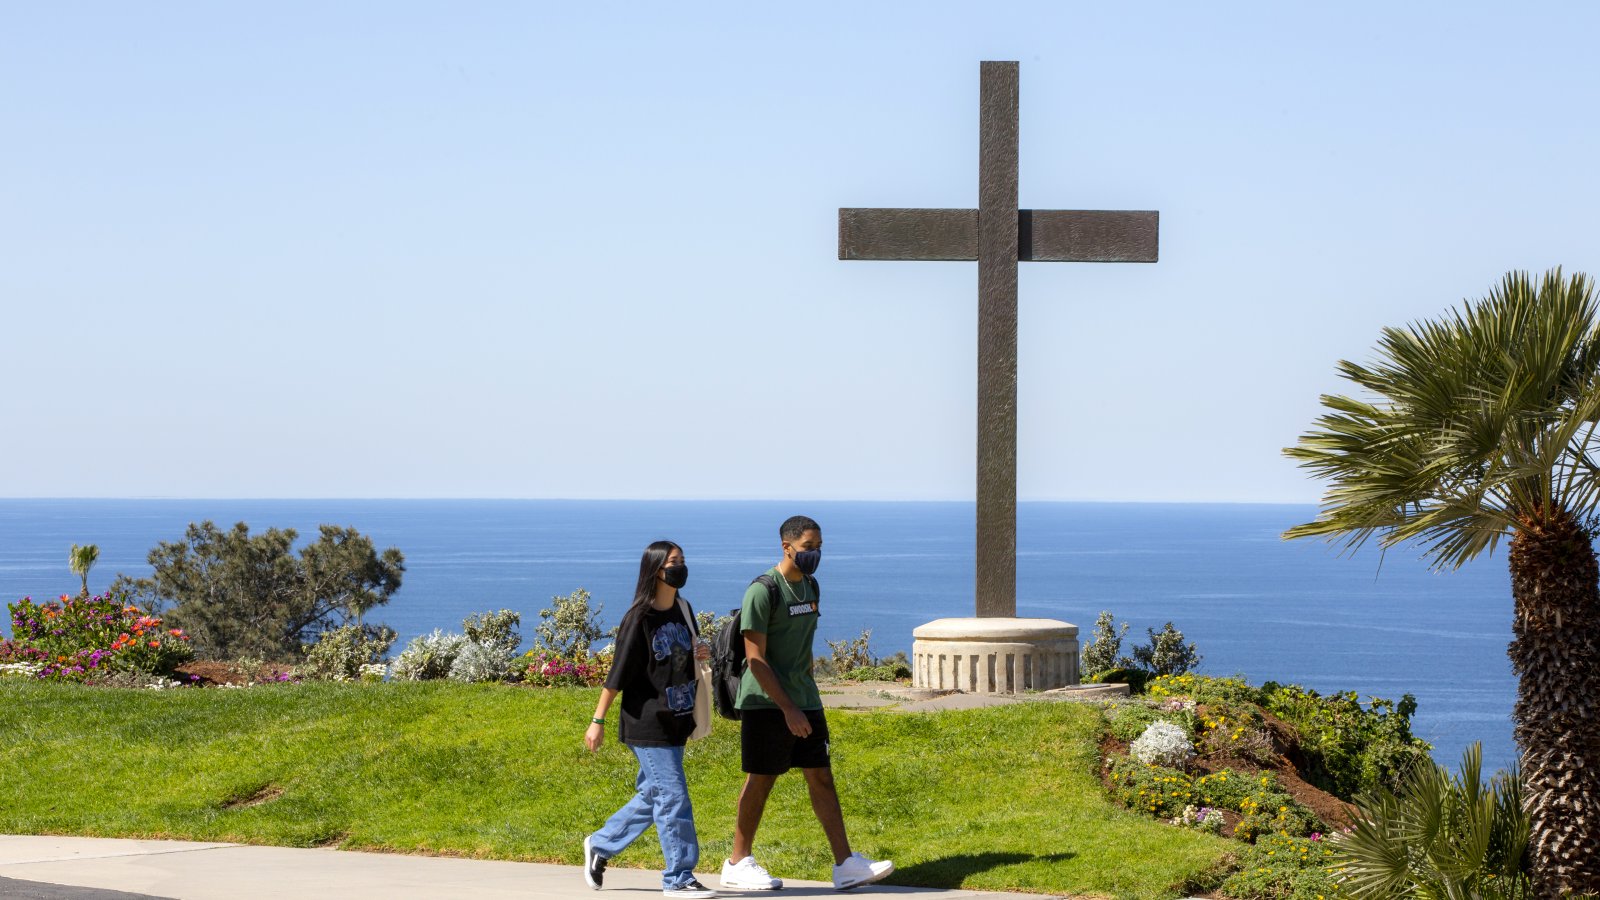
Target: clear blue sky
{"type": "Point", "coordinates": [588, 249]}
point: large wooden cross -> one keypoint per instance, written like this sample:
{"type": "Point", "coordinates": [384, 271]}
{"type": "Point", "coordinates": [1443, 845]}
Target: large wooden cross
{"type": "Point", "coordinates": [997, 234]}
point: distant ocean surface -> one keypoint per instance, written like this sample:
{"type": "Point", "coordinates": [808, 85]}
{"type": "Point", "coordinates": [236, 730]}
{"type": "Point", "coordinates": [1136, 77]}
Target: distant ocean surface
{"type": "Point", "coordinates": [1256, 605]}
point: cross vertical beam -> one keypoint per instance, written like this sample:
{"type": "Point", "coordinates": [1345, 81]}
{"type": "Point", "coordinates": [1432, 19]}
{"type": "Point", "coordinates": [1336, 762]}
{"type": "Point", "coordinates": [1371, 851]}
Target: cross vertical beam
{"type": "Point", "coordinates": [997, 340]}
{"type": "Point", "coordinates": [998, 234]}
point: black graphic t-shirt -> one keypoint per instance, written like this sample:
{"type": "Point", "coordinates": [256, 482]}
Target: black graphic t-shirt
{"type": "Point", "coordinates": [654, 668]}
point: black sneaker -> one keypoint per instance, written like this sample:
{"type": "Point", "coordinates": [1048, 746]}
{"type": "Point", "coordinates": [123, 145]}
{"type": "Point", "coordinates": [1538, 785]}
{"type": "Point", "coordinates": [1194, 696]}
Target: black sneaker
{"type": "Point", "coordinates": [594, 866]}
{"type": "Point", "coordinates": [689, 889]}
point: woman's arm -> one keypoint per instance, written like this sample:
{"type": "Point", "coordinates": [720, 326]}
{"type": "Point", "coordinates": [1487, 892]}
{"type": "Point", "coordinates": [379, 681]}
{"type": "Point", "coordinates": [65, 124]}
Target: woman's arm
{"type": "Point", "coordinates": [596, 733]}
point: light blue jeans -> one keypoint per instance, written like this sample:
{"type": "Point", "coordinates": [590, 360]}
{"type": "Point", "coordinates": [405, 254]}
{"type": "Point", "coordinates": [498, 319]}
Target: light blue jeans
{"type": "Point", "coordinates": [662, 799]}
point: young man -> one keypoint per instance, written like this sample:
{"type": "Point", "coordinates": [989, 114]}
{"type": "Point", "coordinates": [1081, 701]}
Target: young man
{"type": "Point", "coordinates": [781, 724]}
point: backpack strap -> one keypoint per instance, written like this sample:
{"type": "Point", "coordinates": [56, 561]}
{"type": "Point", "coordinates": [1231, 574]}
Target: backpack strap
{"type": "Point", "coordinates": [772, 589]}
{"type": "Point", "coordinates": [772, 592]}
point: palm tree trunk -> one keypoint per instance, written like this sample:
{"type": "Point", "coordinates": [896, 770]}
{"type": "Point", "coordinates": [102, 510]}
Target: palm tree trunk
{"type": "Point", "coordinates": [1555, 583]}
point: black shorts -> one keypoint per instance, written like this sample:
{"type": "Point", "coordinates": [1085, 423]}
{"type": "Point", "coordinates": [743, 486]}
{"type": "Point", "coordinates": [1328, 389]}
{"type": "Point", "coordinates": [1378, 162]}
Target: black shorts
{"type": "Point", "coordinates": [768, 746]}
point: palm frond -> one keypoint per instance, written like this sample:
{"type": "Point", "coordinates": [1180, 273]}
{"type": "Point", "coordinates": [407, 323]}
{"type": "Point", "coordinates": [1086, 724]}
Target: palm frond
{"type": "Point", "coordinates": [1471, 424]}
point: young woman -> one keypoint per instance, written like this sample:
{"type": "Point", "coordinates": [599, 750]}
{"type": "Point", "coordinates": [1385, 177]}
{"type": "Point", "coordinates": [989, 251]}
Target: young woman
{"type": "Point", "coordinates": [653, 671]}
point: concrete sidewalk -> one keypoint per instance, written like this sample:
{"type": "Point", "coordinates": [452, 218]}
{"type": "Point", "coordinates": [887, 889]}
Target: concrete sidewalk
{"type": "Point", "coordinates": [70, 868]}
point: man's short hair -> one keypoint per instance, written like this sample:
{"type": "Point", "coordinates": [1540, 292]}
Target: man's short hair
{"type": "Point", "coordinates": [794, 526]}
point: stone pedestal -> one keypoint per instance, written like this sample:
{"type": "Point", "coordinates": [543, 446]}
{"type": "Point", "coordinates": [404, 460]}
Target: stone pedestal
{"type": "Point", "coordinates": [995, 655]}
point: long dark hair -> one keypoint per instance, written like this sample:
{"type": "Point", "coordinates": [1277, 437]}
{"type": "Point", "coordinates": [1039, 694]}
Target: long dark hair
{"type": "Point", "coordinates": [655, 556]}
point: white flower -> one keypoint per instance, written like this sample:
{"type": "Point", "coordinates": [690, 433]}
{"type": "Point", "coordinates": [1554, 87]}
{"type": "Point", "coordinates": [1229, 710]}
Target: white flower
{"type": "Point", "coordinates": [1163, 744]}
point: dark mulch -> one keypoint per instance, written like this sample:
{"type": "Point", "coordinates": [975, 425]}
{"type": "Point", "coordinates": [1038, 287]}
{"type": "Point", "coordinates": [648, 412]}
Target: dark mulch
{"type": "Point", "coordinates": [213, 673]}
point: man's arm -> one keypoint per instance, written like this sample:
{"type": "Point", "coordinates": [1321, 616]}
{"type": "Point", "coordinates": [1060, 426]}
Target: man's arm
{"type": "Point", "coordinates": [755, 653]}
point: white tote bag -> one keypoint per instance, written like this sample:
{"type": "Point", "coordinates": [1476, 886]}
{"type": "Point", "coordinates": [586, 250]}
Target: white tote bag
{"type": "Point", "coordinates": [702, 690]}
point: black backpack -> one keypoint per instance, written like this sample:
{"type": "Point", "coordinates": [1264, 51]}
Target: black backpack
{"type": "Point", "coordinates": [727, 651]}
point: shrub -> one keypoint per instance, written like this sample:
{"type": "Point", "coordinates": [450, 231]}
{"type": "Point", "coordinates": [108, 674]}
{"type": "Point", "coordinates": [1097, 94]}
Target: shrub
{"type": "Point", "coordinates": [843, 656]}
{"type": "Point", "coordinates": [886, 672]}
{"type": "Point", "coordinates": [341, 653]}
{"type": "Point", "coordinates": [1350, 748]}
{"type": "Point", "coordinates": [479, 662]}
{"type": "Point", "coordinates": [568, 627]}
{"type": "Point", "coordinates": [78, 638]}
{"type": "Point", "coordinates": [1154, 790]}
{"type": "Point", "coordinates": [541, 670]}
{"type": "Point", "coordinates": [853, 660]}
{"type": "Point", "coordinates": [1167, 654]}
{"type": "Point", "coordinates": [1439, 835]}
{"type": "Point", "coordinates": [1205, 689]}
{"type": "Point", "coordinates": [496, 630]}
{"type": "Point", "coordinates": [1164, 792]}
{"type": "Point", "coordinates": [1128, 721]}
{"type": "Point", "coordinates": [1235, 729]}
{"type": "Point", "coordinates": [1104, 653]}
{"type": "Point", "coordinates": [428, 656]}
{"type": "Point", "coordinates": [1135, 679]}
{"type": "Point", "coordinates": [1264, 806]}
{"type": "Point", "coordinates": [1280, 867]}
{"type": "Point", "coordinates": [1163, 744]}
{"type": "Point", "coordinates": [710, 623]}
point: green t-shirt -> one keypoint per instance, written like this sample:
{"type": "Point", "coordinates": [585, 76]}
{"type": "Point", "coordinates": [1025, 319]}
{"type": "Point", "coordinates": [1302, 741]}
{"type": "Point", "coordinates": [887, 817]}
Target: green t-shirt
{"type": "Point", "coordinates": [790, 628]}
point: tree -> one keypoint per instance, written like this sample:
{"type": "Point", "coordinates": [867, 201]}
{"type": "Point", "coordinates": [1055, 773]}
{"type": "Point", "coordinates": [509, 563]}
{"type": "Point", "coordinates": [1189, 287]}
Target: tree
{"type": "Point", "coordinates": [82, 559]}
{"type": "Point", "coordinates": [1105, 653]}
{"type": "Point", "coordinates": [1167, 654]}
{"type": "Point", "coordinates": [1481, 425]}
{"type": "Point", "coordinates": [239, 594]}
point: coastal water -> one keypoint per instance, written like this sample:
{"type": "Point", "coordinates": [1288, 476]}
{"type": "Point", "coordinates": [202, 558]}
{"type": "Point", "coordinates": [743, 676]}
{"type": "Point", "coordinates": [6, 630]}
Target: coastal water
{"type": "Point", "coordinates": [1257, 606]}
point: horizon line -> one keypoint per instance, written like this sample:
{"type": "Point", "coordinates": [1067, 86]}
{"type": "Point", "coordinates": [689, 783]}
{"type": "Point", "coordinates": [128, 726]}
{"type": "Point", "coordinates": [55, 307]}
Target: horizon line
{"type": "Point", "coordinates": [472, 499]}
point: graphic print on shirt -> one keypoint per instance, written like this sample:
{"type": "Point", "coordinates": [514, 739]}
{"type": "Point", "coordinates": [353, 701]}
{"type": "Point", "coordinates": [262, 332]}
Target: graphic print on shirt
{"type": "Point", "coordinates": [669, 639]}
{"type": "Point", "coordinates": [673, 641]}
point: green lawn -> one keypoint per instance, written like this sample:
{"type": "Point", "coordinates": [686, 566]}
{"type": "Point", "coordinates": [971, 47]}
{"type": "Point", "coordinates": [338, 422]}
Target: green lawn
{"type": "Point", "coordinates": [1002, 798]}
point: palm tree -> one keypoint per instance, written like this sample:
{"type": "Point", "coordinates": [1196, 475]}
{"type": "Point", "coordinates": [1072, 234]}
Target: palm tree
{"type": "Point", "coordinates": [82, 559]}
{"type": "Point", "coordinates": [1480, 426]}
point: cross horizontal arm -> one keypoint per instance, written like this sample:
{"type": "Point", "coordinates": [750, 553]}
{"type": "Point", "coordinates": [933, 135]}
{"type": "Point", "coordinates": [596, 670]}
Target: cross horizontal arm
{"type": "Point", "coordinates": [1043, 235]}
{"type": "Point", "coordinates": [925, 234]}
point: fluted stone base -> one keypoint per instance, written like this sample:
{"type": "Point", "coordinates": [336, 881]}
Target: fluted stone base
{"type": "Point", "coordinates": [995, 655]}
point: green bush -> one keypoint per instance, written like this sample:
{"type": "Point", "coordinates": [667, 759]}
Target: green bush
{"type": "Point", "coordinates": [1152, 790]}
{"type": "Point", "coordinates": [1104, 653]}
{"type": "Point", "coordinates": [496, 630]}
{"type": "Point", "coordinates": [891, 672]}
{"type": "Point", "coordinates": [1135, 679]}
{"type": "Point", "coordinates": [1167, 654]}
{"type": "Point", "coordinates": [1129, 720]}
{"type": "Point", "coordinates": [1262, 804]}
{"type": "Point", "coordinates": [568, 627]}
{"type": "Point", "coordinates": [1279, 867]}
{"type": "Point", "coordinates": [852, 660]}
{"type": "Point", "coordinates": [1204, 689]}
{"type": "Point", "coordinates": [340, 653]}
{"type": "Point", "coordinates": [1350, 748]}
{"type": "Point", "coordinates": [1235, 729]}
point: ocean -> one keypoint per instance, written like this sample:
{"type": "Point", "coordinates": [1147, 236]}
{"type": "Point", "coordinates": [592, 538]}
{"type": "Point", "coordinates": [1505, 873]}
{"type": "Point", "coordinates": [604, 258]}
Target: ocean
{"type": "Point", "coordinates": [1257, 606]}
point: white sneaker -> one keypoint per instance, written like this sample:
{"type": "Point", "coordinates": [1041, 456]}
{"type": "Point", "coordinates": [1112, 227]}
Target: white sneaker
{"type": "Point", "coordinates": [747, 875]}
{"type": "Point", "coordinates": [857, 870]}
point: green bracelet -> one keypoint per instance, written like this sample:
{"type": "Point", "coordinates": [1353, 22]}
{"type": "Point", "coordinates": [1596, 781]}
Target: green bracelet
{"type": "Point", "coordinates": [597, 721]}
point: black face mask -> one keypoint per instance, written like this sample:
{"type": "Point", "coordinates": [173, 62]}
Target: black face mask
{"type": "Point", "coordinates": [807, 560]}
{"type": "Point", "coordinates": [675, 576]}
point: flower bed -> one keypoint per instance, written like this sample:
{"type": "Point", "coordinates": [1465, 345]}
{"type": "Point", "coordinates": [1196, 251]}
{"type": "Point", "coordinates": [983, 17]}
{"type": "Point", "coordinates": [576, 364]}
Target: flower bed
{"type": "Point", "coordinates": [85, 638]}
